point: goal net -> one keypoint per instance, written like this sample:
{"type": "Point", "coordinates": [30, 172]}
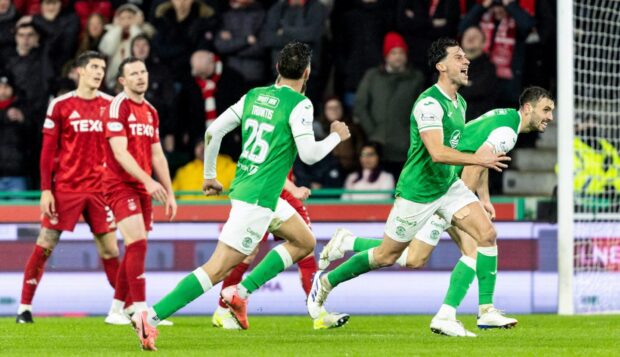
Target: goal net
{"type": "Point", "coordinates": [596, 156]}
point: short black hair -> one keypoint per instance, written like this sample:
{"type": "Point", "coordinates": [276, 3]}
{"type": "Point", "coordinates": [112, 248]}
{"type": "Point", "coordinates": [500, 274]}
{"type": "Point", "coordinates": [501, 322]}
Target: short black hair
{"type": "Point", "coordinates": [24, 25]}
{"type": "Point", "coordinates": [293, 60]}
{"type": "Point", "coordinates": [121, 67]}
{"type": "Point", "coordinates": [84, 58]}
{"type": "Point", "coordinates": [439, 50]}
{"type": "Point", "coordinates": [533, 94]}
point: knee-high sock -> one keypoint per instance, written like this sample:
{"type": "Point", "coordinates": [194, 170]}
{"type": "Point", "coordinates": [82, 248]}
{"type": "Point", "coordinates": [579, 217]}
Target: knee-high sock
{"type": "Point", "coordinates": [486, 270]}
{"type": "Point", "coordinates": [361, 244]}
{"type": "Point", "coordinates": [461, 278]}
{"type": "Point", "coordinates": [186, 291]}
{"type": "Point", "coordinates": [110, 266]}
{"type": "Point", "coordinates": [33, 272]}
{"type": "Point", "coordinates": [276, 261]}
{"type": "Point", "coordinates": [307, 267]}
{"type": "Point", "coordinates": [233, 278]}
{"type": "Point", "coordinates": [121, 288]}
{"type": "Point", "coordinates": [135, 256]}
{"type": "Point", "coordinates": [358, 264]}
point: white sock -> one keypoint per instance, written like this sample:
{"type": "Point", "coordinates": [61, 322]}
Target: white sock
{"type": "Point", "coordinates": [483, 308]}
{"type": "Point", "coordinates": [140, 306]}
{"type": "Point", "coordinates": [117, 306]}
{"type": "Point", "coordinates": [242, 291]}
{"type": "Point", "coordinates": [151, 317]}
{"type": "Point", "coordinates": [402, 260]}
{"type": "Point", "coordinates": [446, 312]}
{"type": "Point", "coordinates": [23, 308]}
{"type": "Point", "coordinates": [130, 310]}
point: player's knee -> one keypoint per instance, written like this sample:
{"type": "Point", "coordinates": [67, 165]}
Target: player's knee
{"type": "Point", "coordinates": [384, 259]}
{"type": "Point", "coordinates": [48, 239]}
{"type": "Point", "coordinates": [109, 252]}
{"type": "Point", "coordinates": [416, 262]}
{"type": "Point", "coordinates": [488, 236]}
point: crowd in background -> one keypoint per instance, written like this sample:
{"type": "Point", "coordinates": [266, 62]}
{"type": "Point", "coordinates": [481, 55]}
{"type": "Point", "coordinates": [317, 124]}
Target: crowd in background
{"type": "Point", "coordinates": [368, 67]}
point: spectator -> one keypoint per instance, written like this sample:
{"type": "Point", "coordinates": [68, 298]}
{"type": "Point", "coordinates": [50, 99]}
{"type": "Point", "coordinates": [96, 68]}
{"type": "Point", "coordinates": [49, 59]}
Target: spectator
{"type": "Point", "coordinates": [346, 151]}
{"type": "Point", "coordinates": [300, 20]}
{"type": "Point", "coordinates": [31, 69]}
{"type": "Point", "coordinates": [326, 173]}
{"type": "Point", "coordinates": [8, 18]}
{"type": "Point", "coordinates": [370, 176]}
{"type": "Point", "coordinates": [422, 22]}
{"type": "Point", "coordinates": [212, 89]}
{"type": "Point", "coordinates": [540, 64]}
{"type": "Point", "coordinates": [357, 47]}
{"type": "Point", "coordinates": [506, 26]}
{"type": "Point", "coordinates": [480, 92]}
{"type": "Point", "coordinates": [91, 35]}
{"type": "Point", "coordinates": [13, 139]}
{"type": "Point", "coordinates": [183, 26]}
{"type": "Point", "coordinates": [85, 8]}
{"type": "Point", "coordinates": [161, 90]}
{"type": "Point", "coordinates": [384, 100]}
{"type": "Point", "coordinates": [238, 41]}
{"type": "Point", "coordinates": [189, 177]}
{"type": "Point", "coordinates": [116, 43]}
{"type": "Point", "coordinates": [60, 31]}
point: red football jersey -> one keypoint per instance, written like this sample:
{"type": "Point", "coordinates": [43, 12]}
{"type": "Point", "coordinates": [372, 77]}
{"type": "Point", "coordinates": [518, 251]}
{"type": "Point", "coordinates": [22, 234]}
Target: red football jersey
{"type": "Point", "coordinates": [77, 124]}
{"type": "Point", "coordinates": [139, 123]}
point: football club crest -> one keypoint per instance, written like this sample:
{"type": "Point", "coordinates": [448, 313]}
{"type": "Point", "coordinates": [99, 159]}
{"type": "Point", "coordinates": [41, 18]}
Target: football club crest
{"type": "Point", "coordinates": [131, 204]}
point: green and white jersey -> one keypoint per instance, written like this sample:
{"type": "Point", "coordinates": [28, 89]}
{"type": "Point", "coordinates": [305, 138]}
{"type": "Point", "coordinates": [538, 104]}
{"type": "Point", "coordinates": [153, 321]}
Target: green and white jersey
{"type": "Point", "coordinates": [423, 180]}
{"type": "Point", "coordinates": [270, 119]}
{"type": "Point", "coordinates": [498, 128]}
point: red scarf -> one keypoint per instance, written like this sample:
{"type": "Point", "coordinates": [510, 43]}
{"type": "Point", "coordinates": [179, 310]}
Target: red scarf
{"type": "Point", "coordinates": [5, 104]}
{"type": "Point", "coordinates": [208, 88]}
{"type": "Point", "coordinates": [501, 48]}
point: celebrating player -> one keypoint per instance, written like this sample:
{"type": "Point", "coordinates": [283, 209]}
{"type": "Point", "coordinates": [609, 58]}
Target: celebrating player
{"type": "Point", "coordinates": [294, 195]}
{"type": "Point", "coordinates": [276, 122]}
{"type": "Point", "coordinates": [429, 183]}
{"type": "Point", "coordinates": [133, 153]}
{"type": "Point", "coordinates": [496, 130]}
{"type": "Point", "coordinates": [72, 163]}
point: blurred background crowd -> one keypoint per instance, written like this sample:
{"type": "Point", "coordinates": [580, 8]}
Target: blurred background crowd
{"type": "Point", "coordinates": [368, 67]}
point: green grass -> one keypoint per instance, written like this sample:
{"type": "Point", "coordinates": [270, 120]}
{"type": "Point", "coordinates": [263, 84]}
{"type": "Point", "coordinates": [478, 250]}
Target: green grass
{"type": "Point", "coordinates": [536, 335]}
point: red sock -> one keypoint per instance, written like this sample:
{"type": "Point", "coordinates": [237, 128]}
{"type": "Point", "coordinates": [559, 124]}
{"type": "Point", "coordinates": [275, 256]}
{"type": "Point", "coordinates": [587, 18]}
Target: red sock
{"type": "Point", "coordinates": [33, 273]}
{"type": "Point", "coordinates": [307, 267]}
{"type": "Point", "coordinates": [135, 256]}
{"type": "Point", "coordinates": [234, 278]}
{"type": "Point", "coordinates": [121, 288]}
{"type": "Point", "coordinates": [110, 266]}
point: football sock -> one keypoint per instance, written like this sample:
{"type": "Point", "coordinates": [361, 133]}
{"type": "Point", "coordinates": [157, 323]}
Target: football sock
{"type": "Point", "coordinates": [33, 273]}
{"type": "Point", "coordinates": [117, 306]}
{"type": "Point", "coordinates": [233, 278]}
{"type": "Point", "coordinates": [135, 256]}
{"type": "Point", "coordinates": [186, 291]}
{"type": "Point", "coordinates": [276, 261]}
{"type": "Point", "coordinates": [402, 260]}
{"type": "Point", "coordinates": [23, 308]}
{"type": "Point", "coordinates": [307, 267]}
{"type": "Point", "coordinates": [446, 312]}
{"type": "Point", "coordinates": [461, 278]}
{"type": "Point", "coordinates": [486, 270]}
{"type": "Point", "coordinates": [121, 288]}
{"type": "Point", "coordinates": [362, 244]}
{"type": "Point", "coordinates": [358, 264]}
{"type": "Point", "coordinates": [110, 266]}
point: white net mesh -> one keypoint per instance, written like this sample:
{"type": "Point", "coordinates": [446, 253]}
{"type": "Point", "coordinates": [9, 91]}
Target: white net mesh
{"type": "Point", "coordinates": [597, 156]}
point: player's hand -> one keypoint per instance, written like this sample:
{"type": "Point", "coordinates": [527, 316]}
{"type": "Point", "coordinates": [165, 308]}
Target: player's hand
{"type": "Point", "coordinates": [341, 129]}
{"type": "Point", "coordinates": [488, 207]}
{"type": "Point", "coordinates": [492, 160]}
{"type": "Point", "coordinates": [48, 204]}
{"type": "Point", "coordinates": [211, 187]}
{"type": "Point", "coordinates": [301, 193]}
{"type": "Point", "coordinates": [156, 190]}
{"type": "Point", "coordinates": [171, 206]}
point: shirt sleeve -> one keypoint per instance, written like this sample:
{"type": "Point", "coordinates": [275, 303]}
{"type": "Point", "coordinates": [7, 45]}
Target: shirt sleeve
{"type": "Point", "coordinates": [225, 123]}
{"type": "Point", "coordinates": [117, 120]}
{"type": "Point", "coordinates": [428, 114]}
{"type": "Point", "coordinates": [301, 119]}
{"type": "Point", "coordinates": [502, 139]}
{"type": "Point", "coordinates": [53, 122]}
{"type": "Point", "coordinates": [156, 125]}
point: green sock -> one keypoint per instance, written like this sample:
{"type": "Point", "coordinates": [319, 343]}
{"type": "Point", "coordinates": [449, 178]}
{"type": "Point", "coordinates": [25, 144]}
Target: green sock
{"type": "Point", "coordinates": [186, 291]}
{"type": "Point", "coordinates": [276, 261]}
{"type": "Point", "coordinates": [354, 266]}
{"type": "Point", "coordinates": [361, 244]}
{"type": "Point", "coordinates": [461, 278]}
{"type": "Point", "coordinates": [486, 270]}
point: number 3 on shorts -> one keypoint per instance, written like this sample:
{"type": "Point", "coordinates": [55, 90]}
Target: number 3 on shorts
{"type": "Point", "coordinates": [256, 148]}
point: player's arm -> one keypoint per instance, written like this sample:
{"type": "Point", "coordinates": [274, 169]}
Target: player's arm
{"type": "Point", "coordinates": [484, 195]}
{"type": "Point", "coordinates": [49, 148]}
{"type": "Point", "coordinates": [129, 164]}
{"type": "Point", "coordinates": [224, 124]}
{"type": "Point", "coordinates": [311, 151]}
{"type": "Point", "coordinates": [429, 115]}
{"type": "Point", "coordinates": [162, 172]}
{"type": "Point", "coordinates": [299, 192]}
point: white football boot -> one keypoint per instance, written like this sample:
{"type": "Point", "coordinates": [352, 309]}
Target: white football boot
{"type": "Point", "coordinates": [317, 296]}
{"type": "Point", "coordinates": [450, 327]}
{"type": "Point", "coordinates": [494, 318]}
{"type": "Point", "coordinates": [334, 249]}
{"type": "Point", "coordinates": [117, 318]}
{"type": "Point", "coordinates": [222, 318]}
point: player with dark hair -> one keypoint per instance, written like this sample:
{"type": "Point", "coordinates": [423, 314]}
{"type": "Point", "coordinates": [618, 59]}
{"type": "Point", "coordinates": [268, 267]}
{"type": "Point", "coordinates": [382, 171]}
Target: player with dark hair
{"type": "Point", "coordinates": [429, 183]}
{"type": "Point", "coordinates": [71, 166]}
{"type": "Point", "coordinates": [133, 153]}
{"type": "Point", "coordinates": [276, 124]}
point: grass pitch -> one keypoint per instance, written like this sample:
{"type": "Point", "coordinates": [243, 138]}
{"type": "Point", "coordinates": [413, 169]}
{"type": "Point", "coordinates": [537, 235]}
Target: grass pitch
{"type": "Point", "coordinates": [536, 335]}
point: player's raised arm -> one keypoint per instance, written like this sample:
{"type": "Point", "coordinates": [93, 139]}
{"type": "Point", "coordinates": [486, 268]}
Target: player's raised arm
{"type": "Point", "coordinates": [311, 151]}
{"type": "Point", "coordinates": [224, 124]}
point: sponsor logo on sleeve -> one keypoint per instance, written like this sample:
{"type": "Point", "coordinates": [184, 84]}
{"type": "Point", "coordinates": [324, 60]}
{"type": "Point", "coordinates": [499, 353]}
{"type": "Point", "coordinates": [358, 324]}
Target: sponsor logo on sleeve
{"type": "Point", "coordinates": [48, 124]}
{"type": "Point", "coordinates": [306, 121]}
{"type": "Point", "coordinates": [115, 126]}
{"type": "Point", "coordinates": [427, 117]}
